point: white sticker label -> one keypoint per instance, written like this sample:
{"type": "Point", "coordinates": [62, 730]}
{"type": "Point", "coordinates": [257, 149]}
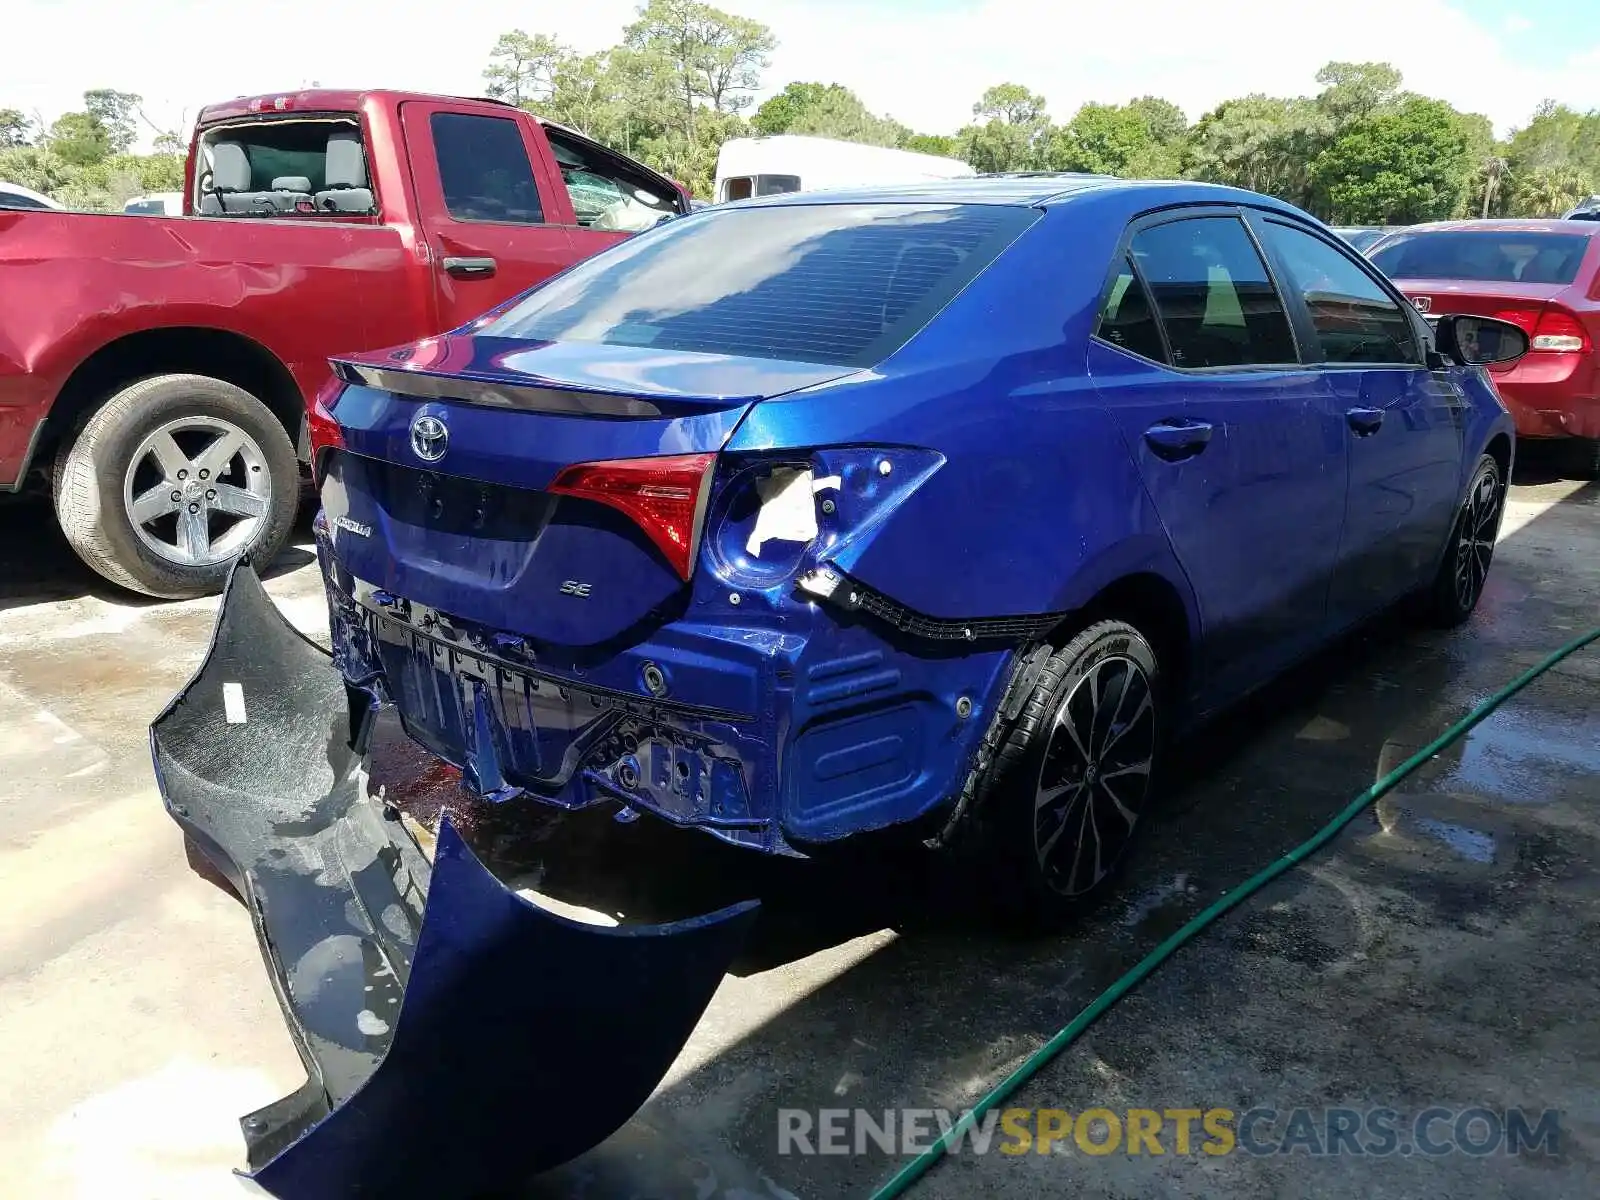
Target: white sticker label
{"type": "Point", "coordinates": [233, 703]}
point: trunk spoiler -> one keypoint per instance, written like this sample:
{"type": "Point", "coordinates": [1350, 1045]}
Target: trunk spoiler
{"type": "Point", "coordinates": [456, 1037]}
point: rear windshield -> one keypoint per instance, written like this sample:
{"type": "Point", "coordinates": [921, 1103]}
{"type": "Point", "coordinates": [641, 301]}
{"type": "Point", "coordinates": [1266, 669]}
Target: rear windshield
{"type": "Point", "coordinates": [1498, 256]}
{"type": "Point", "coordinates": [843, 284]}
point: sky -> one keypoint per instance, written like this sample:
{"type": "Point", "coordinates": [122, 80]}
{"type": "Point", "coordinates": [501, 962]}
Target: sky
{"type": "Point", "coordinates": [923, 62]}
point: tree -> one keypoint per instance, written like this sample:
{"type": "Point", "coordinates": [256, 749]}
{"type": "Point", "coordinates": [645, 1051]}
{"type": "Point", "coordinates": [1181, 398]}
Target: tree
{"type": "Point", "coordinates": [1101, 139]}
{"type": "Point", "coordinates": [1012, 104]}
{"type": "Point", "coordinates": [932, 143]}
{"type": "Point", "coordinates": [79, 138]}
{"type": "Point", "coordinates": [1259, 142]}
{"type": "Point", "coordinates": [1014, 137]}
{"type": "Point", "coordinates": [712, 56]}
{"type": "Point", "coordinates": [1400, 165]}
{"type": "Point", "coordinates": [778, 113]}
{"type": "Point", "coordinates": [522, 67]}
{"type": "Point", "coordinates": [1354, 90]}
{"type": "Point", "coordinates": [1550, 191]}
{"type": "Point", "coordinates": [1164, 119]}
{"type": "Point", "coordinates": [15, 129]}
{"type": "Point", "coordinates": [115, 111]}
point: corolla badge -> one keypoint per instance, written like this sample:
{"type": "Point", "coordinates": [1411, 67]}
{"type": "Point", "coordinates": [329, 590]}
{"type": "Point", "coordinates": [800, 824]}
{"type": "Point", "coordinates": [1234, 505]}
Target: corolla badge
{"type": "Point", "coordinates": [355, 527]}
{"type": "Point", "coordinates": [429, 438]}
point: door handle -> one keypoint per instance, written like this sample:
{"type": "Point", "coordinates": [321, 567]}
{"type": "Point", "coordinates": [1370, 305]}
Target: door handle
{"type": "Point", "coordinates": [1365, 421]}
{"type": "Point", "coordinates": [469, 268]}
{"type": "Point", "coordinates": [1173, 440]}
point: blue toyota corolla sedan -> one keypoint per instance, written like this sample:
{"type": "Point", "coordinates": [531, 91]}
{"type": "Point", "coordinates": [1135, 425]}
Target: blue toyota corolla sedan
{"type": "Point", "coordinates": [944, 507]}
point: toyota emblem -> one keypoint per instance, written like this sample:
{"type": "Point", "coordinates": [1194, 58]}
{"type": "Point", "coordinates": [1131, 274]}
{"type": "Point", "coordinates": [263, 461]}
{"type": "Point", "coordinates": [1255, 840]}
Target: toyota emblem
{"type": "Point", "coordinates": [429, 438]}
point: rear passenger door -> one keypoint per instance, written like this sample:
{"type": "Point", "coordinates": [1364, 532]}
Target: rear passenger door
{"type": "Point", "coordinates": [1235, 438]}
{"type": "Point", "coordinates": [1403, 422]}
{"type": "Point", "coordinates": [485, 211]}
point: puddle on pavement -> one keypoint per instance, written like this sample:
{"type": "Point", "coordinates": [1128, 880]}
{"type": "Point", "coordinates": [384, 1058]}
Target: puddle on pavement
{"type": "Point", "coordinates": [1510, 755]}
{"type": "Point", "coordinates": [1470, 844]}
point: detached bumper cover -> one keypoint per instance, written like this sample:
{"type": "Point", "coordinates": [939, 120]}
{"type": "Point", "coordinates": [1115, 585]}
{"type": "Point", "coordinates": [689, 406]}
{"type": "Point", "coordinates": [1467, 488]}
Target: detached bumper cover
{"type": "Point", "coordinates": [455, 1036]}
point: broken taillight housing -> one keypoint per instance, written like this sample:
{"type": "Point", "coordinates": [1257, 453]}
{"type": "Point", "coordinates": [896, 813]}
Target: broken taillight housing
{"type": "Point", "coordinates": [322, 430]}
{"type": "Point", "coordinates": [665, 496]}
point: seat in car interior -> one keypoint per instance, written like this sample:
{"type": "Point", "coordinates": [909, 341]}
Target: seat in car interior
{"type": "Point", "coordinates": [346, 189]}
{"type": "Point", "coordinates": [230, 186]}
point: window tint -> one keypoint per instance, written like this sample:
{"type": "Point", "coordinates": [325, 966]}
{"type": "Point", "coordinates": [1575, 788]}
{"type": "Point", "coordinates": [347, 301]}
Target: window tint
{"type": "Point", "coordinates": [828, 283]}
{"type": "Point", "coordinates": [1355, 320]}
{"type": "Point", "coordinates": [17, 200]}
{"type": "Point", "coordinates": [1496, 256]}
{"type": "Point", "coordinates": [1212, 291]}
{"type": "Point", "coordinates": [1126, 318]}
{"type": "Point", "coordinates": [607, 194]}
{"type": "Point", "coordinates": [484, 168]}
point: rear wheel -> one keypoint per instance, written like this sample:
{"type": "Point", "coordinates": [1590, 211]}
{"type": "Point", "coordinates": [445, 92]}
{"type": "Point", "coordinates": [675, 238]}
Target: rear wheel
{"type": "Point", "coordinates": [1062, 798]}
{"type": "Point", "coordinates": [1583, 457]}
{"type": "Point", "coordinates": [1465, 567]}
{"type": "Point", "coordinates": [174, 478]}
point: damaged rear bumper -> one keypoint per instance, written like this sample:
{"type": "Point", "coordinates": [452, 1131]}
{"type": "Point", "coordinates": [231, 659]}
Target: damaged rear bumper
{"type": "Point", "coordinates": [455, 1036]}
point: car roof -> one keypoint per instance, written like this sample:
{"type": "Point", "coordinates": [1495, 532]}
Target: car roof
{"type": "Point", "coordinates": [1507, 225]}
{"type": "Point", "coordinates": [1027, 189]}
{"type": "Point", "coordinates": [327, 100]}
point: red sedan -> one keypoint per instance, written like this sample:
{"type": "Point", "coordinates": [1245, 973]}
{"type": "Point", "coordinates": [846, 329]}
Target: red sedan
{"type": "Point", "coordinates": [1544, 276]}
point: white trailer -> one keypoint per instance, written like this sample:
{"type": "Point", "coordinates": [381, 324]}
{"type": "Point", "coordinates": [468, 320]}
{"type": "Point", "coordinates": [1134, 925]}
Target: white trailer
{"type": "Point", "coordinates": [767, 166]}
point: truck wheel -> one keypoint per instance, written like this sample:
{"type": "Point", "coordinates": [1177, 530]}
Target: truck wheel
{"type": "Point", "coordinates": [171, 480]}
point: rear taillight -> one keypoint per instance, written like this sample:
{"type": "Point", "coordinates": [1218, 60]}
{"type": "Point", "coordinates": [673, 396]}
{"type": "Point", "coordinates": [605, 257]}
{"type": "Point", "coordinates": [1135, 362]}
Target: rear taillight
{"type": "Point", "coordinates": [1559, 330]}
{"type": "Point", "coordinates": [665, 497]}
{"type": "Point", "coordinates": [321, 429]}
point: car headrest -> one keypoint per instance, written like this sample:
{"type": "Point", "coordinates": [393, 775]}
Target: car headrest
{"type": "Point", "coordinates": [291, 183]}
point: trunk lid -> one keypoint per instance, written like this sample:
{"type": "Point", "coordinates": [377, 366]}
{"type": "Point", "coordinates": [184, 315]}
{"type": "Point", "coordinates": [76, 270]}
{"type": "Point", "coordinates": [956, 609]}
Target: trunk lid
{"type": "Point", "coordinates": [1520, 303]}
{"type": "Point", "coordinates": [441, 492]}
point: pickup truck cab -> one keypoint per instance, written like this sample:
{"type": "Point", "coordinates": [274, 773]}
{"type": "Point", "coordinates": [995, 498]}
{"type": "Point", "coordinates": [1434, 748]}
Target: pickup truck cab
{"type": "Point", "coordinates": [156, 372]}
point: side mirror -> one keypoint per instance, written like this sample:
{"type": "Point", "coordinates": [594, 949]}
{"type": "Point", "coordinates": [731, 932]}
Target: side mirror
{"type": "Point", "coordinates": [1479, 341]}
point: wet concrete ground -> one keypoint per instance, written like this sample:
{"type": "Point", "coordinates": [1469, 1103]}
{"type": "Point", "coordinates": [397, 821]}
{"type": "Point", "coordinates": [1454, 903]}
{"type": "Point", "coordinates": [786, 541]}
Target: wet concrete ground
{"type": "Point", "coordinates": [1438, 953]}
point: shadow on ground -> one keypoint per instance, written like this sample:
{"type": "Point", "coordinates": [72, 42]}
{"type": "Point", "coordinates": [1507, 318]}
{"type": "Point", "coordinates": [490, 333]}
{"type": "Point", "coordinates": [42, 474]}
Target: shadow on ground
{"type": "Point", "coordinates": [38, 566]}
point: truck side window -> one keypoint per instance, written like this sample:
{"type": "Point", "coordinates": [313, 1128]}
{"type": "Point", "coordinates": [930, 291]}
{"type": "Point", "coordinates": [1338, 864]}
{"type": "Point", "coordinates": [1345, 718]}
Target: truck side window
{"type": "Point", "coordinates": [606, 193]}
{"type": "Point", "coordinates": [484, 168]}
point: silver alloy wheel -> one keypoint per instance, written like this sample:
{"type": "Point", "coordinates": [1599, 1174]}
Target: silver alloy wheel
{"type": "Point", "coordinates": [1095, 775]}
{"type": "Point", "coordinates": [1475, 543]}
{"type": "Point", "coordinates": [197, 491]}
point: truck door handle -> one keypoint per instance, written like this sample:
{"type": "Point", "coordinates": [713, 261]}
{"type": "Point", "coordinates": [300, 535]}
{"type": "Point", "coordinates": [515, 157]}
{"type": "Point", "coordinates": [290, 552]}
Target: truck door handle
{"type": "Point", "coordinates": [1365, 421]}
{"type": "Point", "coordinates": [1173, 440]}
{"type": "Point", "coordinates": [469, 268]}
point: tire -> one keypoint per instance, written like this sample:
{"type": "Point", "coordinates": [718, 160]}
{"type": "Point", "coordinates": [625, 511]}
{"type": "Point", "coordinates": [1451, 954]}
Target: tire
{"type": "Point", "coordinates": [1583, 457]}
{"type": "Point", "coordinates": [177, 431]}
{"type": "Point", "coordinates": [1464, 567]}
{"type": "Point", "coordinates": [1037, 864]}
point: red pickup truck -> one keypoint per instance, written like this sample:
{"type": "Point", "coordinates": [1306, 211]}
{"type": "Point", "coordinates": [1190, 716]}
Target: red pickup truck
{"type": "Point", "coordinates": [156, 372]}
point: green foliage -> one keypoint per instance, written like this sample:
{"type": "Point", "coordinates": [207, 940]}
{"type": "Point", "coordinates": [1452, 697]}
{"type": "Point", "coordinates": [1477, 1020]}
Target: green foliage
{"type": "Point", "coordinates": [522, 67]}
{"type": "Point", "coordinates": [115, 112]}
{"type": "Point", "coordinates": [1014, 137]}
{"type": "Point", "coordinates": [1403, 163]}
{"type": "Point", "coordinates": [79, 139]}
{"type": "Point", "coordinates": [684, 73]}
{"type": "Point", "coordinates": [15, 129]}
{"type": "Point", "coordinates": [778, 113]}
{"type": "Point", "coordinates": [931, 143]}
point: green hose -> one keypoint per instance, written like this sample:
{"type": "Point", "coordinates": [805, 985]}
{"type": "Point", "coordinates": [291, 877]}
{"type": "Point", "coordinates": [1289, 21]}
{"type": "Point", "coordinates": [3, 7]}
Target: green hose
{"type": "Point", "coordinates": [902, 1180]}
